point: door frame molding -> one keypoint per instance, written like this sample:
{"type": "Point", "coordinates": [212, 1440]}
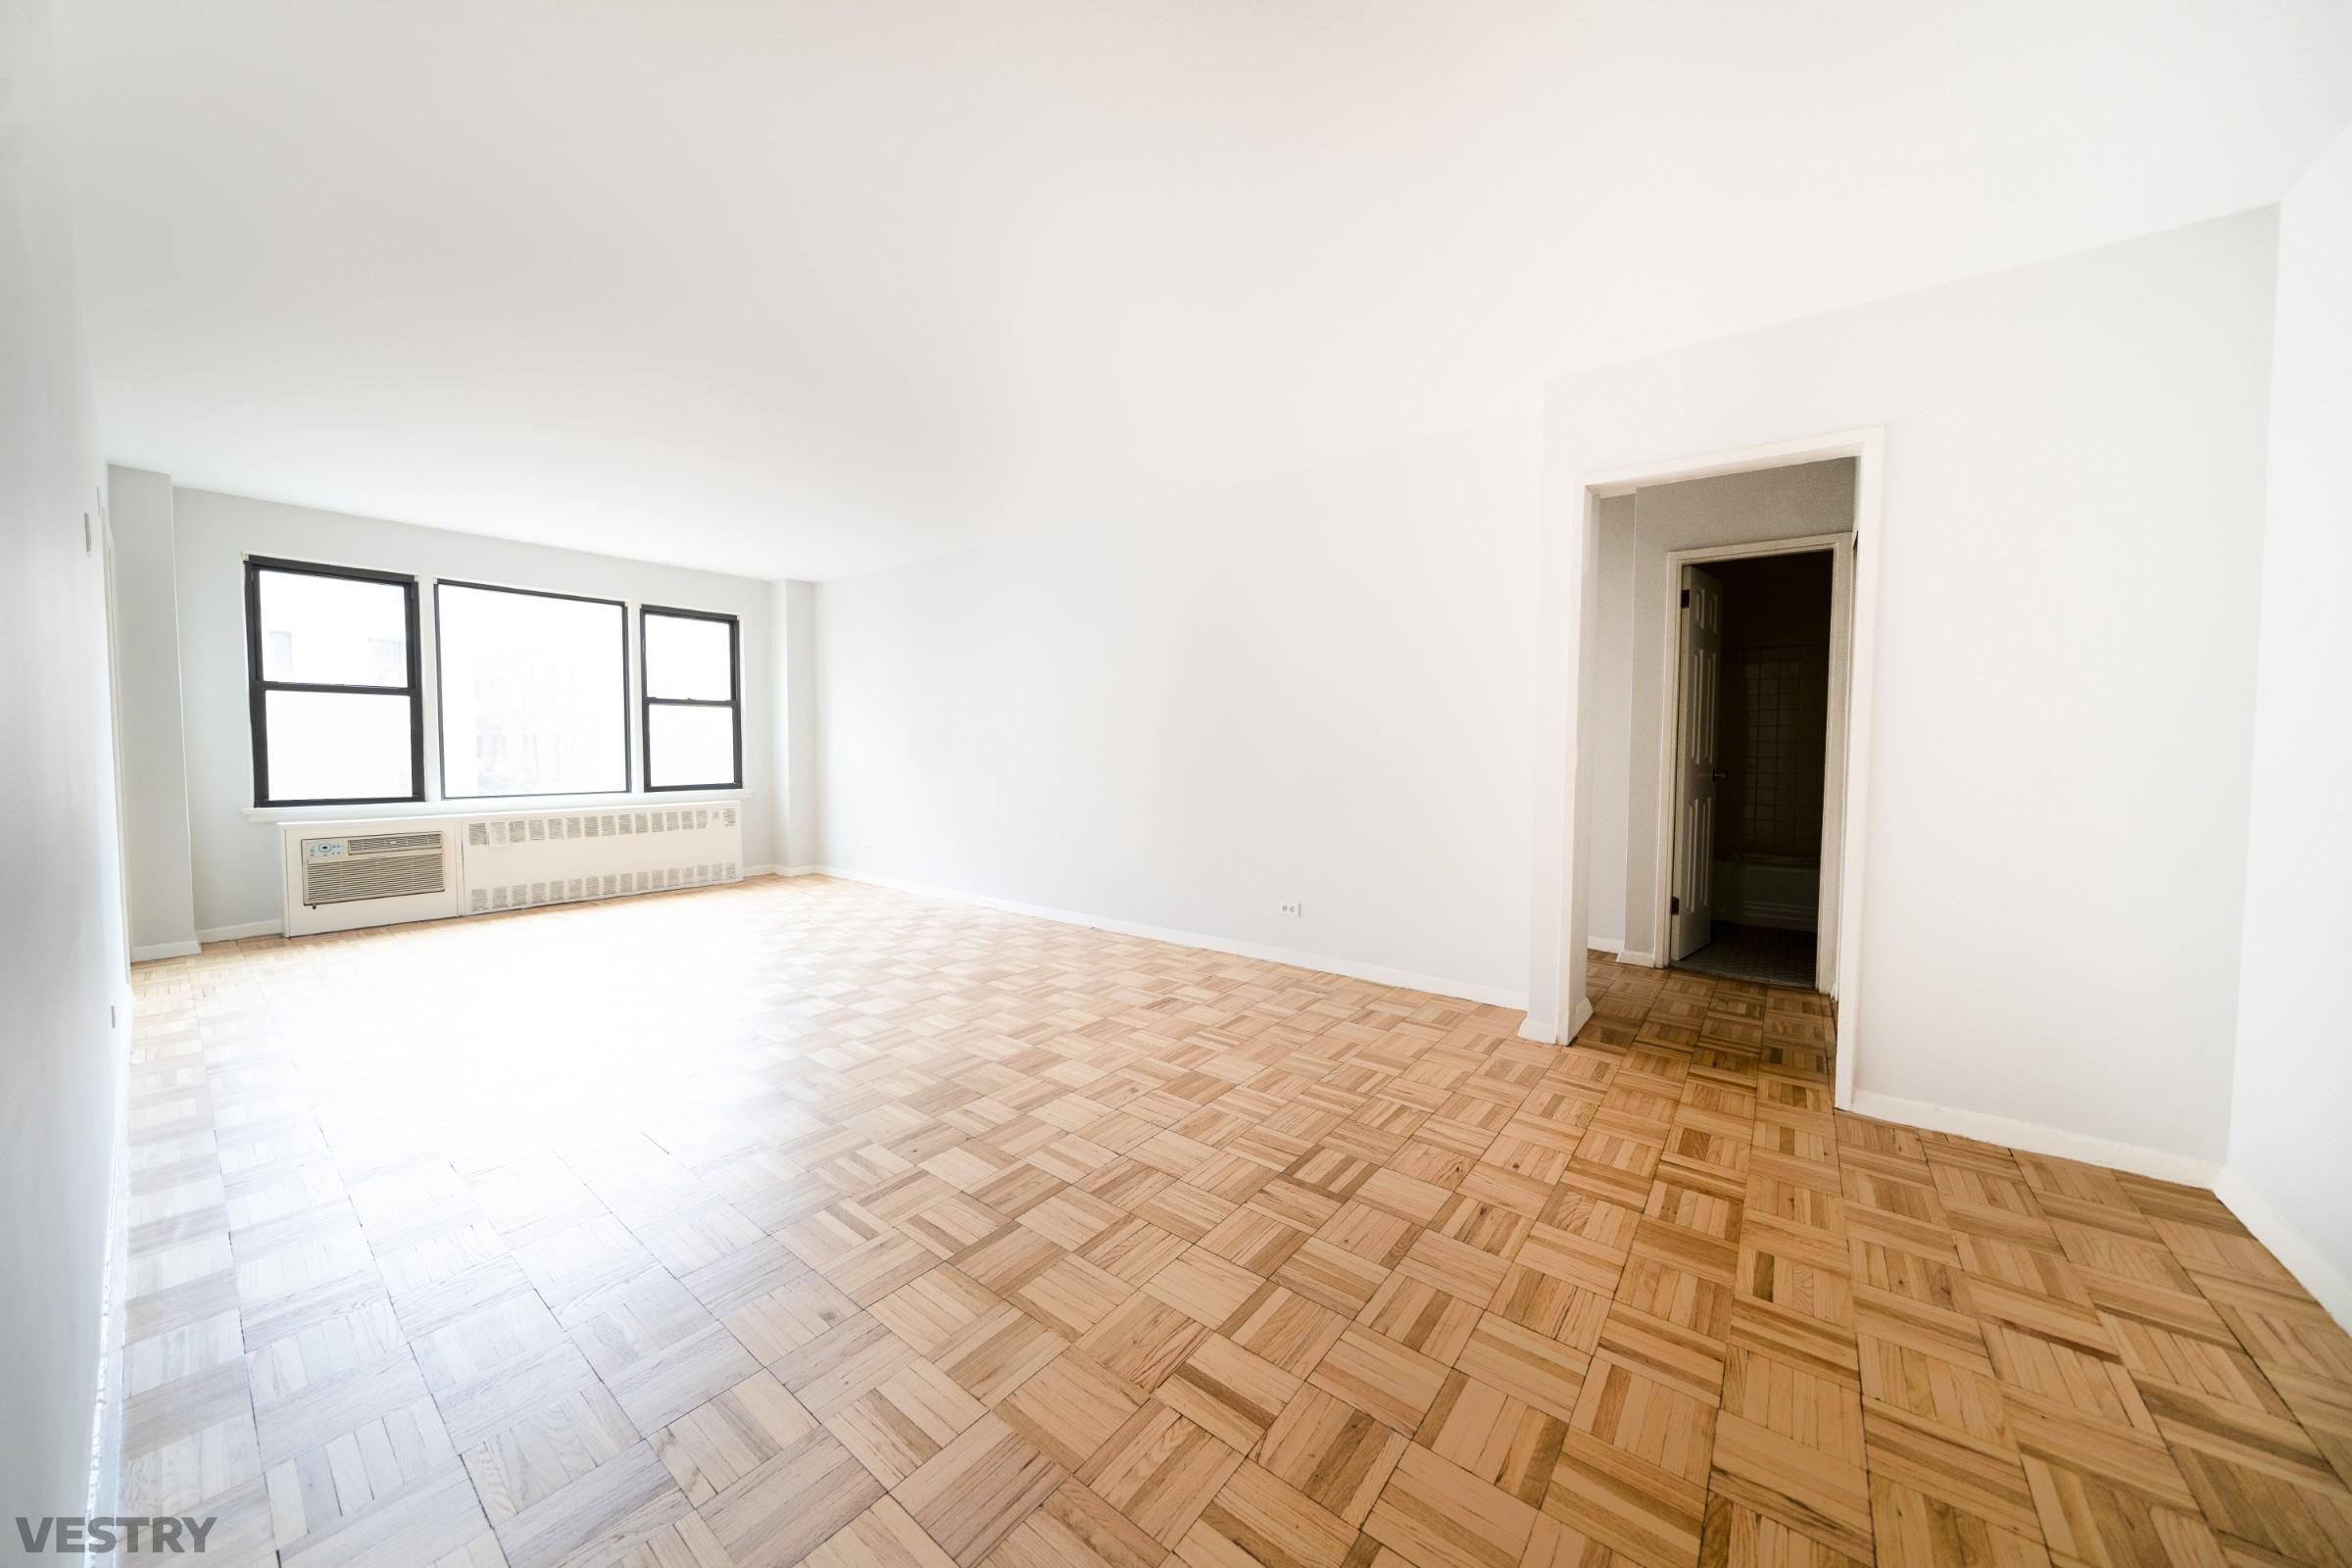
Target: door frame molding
{"type": "Point", "coordinates": [1840, 548]}
{"type": "Point", "coordinates": [1565, 1007]}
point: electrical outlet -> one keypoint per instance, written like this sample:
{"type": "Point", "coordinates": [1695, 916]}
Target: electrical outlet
{"type": "Point", "coordinates": [1295, 910]}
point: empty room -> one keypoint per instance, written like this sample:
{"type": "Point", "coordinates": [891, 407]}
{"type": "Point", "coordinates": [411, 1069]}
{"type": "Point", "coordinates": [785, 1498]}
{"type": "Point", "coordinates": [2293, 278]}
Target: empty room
{"type": "Point", "coordinates": [1175, 784]}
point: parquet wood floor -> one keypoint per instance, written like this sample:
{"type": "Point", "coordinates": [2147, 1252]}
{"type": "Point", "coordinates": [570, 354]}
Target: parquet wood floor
{"type": "Point", "coordinates": [805, 1222]}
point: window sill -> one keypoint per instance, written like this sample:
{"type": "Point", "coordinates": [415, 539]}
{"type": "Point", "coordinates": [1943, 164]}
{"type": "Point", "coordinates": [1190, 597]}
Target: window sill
{"type": "Point", "coordinates": [493, 805]}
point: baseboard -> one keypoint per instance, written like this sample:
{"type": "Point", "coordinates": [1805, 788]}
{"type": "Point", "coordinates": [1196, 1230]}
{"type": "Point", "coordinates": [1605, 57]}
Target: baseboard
{"type": "Point", "coordinates": [1608, 945]}
{"type": "Point", "coordinates": [1321, 962]}
{"type": "Point", "coordinates": [1379, 974]}
{"type": "Point", "coordinates": [238, 933]}
{"type": "Point", "coordinates": [2328, 1285]}
{"type": "Point", "coordinates": [1545, 1032]}
{"type": "Point", "coordinates": [1639, 961]}
{"type": "Point", "coordinates": [103, 1488]}
{"type": "Point", "coordinates": [2035, 1139]}
{"type": "Point", "coordinates": [164, 949]}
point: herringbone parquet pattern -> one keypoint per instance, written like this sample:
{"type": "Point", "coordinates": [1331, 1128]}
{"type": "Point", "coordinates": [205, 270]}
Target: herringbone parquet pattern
{"type": "Point", "coordinates": [804, 1221]}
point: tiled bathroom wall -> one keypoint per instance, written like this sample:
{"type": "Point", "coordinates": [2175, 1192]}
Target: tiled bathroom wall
{"type": "Point", "coordinates": [1774, 720]}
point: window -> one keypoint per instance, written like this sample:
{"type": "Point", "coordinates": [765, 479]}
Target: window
{"type": "Point", "coordinates": [534, 692]}
{"type": "Point", "coordinates": [693, 699]}
{"type": "Point", "coordinates": [331, 657]}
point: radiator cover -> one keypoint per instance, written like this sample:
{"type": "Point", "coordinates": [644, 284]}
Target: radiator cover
{"type": "Point", "coordinates": [523, 859]}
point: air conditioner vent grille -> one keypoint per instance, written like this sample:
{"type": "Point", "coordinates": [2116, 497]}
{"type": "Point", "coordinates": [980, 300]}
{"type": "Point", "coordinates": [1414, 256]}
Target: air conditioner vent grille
{"type": "Point", "coordinates": [381, 842]}
{"type": "Point", "coordinates": [375, 876]}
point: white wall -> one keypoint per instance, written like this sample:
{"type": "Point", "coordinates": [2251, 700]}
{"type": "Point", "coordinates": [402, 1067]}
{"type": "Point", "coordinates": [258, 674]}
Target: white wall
{"type": "Point", "coordinates": [235, 853]}
{"type": "Point", "coordinates": [155, 768]}
{"type": "Point", "coordinates": [2287, 1167]}
{"type": "Point", "coordinates": [63, 960]}
{"type": "Point", "coordinates": [2066, 574]}
{"type": "Point", "coordinates": [793, 615]}
{"type": "Point", "coordinates": [1612, 694]}
{"type": "Point", "coordinates": [1739, 508]}
{"type": "Point", "coordinates": [1310, 689]}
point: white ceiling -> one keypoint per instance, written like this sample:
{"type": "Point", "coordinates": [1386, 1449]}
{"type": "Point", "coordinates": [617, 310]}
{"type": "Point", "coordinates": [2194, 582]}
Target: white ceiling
{"type": "Point", "coordinates": [807, 288]}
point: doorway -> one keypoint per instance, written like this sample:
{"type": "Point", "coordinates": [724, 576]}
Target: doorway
{"type": "Point", "coordinates": [1751, 728]}
{"type": "Point", "coordinates": [1571, 832]}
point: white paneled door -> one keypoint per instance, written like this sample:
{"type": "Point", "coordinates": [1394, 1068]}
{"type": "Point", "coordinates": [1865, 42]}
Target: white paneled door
{"type": "Point", "coordinates": [1691, 914]}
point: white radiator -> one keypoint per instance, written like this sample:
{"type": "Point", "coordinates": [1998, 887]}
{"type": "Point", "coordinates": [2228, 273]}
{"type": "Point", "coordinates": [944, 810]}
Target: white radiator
{"type": "Point", "coordinates": [341, 876]}
{"type": "Point", "coordinates": [519, 859]}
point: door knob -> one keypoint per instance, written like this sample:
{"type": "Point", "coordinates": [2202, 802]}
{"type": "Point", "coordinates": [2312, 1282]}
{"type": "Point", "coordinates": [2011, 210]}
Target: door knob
{"type": "Point", "coordinates": [1722, 774]}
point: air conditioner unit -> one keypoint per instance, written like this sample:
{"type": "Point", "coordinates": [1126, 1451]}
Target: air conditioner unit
{"type": "Point", "coordinates": [340, 877]}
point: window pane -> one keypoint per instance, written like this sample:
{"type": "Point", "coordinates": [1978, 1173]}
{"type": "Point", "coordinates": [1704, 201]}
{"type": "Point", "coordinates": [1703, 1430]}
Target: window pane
{"type": "Point", "coordinates": [687, 746]}
{"type": "Point", "coordinates": [333, 631]}
{"type": "Point", "coordinates": [337, 746]}
{"type": "Point", "coordinates": [531, 694]}
{"type": "Point", "coordinates": [688, 658]}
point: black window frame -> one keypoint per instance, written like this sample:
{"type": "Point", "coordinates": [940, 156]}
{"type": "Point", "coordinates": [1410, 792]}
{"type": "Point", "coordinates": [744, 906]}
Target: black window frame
{"type": "Point", "coordinates": [628, 781]}
{"type": "Point", "coordinates": [257, 687]}
{"type": "Point", "coordinates": [649, 701]}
